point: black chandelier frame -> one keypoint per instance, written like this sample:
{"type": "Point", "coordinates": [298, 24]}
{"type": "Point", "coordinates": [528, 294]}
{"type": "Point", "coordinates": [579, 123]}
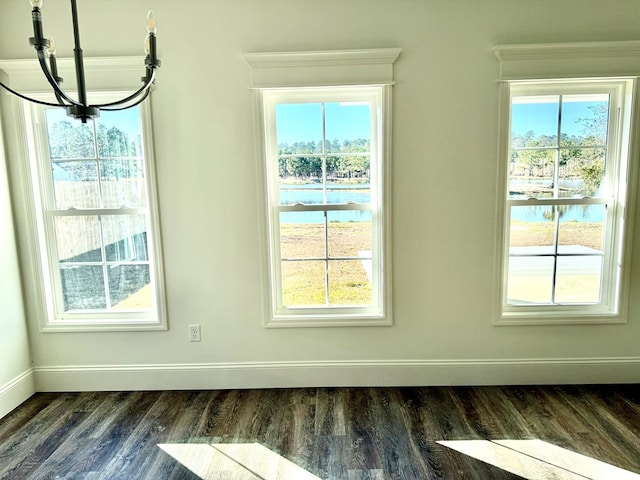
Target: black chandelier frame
{"type": "Point", "coordinates": [80, 109]}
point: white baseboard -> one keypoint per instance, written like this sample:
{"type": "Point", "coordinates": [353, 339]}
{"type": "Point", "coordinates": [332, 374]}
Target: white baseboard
{"type": "Point", "coordinates": [16, 391]}
{"type": "Point", "coordinates": [213, 376]}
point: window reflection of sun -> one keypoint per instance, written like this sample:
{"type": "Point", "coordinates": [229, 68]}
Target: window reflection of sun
{"type": "Point", "coordinates": [530, 459]}
{"type": "Point", "coordinates": [235, 461]}
{"type": "Point", "coordinates": [538, 460]}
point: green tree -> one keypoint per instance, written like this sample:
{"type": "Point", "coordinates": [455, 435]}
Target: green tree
{"type": "Point", "coordinates": [71, 141]}
{"type": "Point", "coordinates": [592, 167]}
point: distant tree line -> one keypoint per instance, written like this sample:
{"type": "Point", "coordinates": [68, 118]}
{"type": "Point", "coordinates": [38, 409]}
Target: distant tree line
{"type": "Point", "coordinates": [344, 159]}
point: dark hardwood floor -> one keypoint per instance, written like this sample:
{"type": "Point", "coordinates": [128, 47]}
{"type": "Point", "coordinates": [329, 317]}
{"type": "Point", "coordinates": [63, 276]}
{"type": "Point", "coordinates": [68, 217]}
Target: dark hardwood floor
{"type": "Point", "coordinates": [331, 433]}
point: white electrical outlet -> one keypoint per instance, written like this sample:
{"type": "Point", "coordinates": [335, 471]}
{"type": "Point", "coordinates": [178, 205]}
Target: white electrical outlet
{"type": "Point", "coordinates": [194, 333]}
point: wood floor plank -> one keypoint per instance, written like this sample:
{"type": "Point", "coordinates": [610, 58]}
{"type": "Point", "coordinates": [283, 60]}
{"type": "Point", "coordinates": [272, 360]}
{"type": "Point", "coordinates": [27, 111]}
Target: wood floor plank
{"type": "Point", "coordinates": [329, 416]}
{"type": "Point", "coordinates": [23, 451]}
{"type": "Point", "coordinates": [21, 416]}
{"type": "Point", "coordinates": [327, 433]}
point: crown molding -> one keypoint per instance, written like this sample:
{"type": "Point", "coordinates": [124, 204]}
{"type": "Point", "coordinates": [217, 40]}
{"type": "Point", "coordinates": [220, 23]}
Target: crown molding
{"type": "Point", "coordinates": [565, 60]}
{"type": "Point", "coordinates": [322, 68]}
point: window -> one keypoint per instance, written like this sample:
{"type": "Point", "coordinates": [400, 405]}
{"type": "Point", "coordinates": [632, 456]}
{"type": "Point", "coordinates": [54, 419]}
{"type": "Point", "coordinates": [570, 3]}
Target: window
{"type": "Point", "coordinates": [566, 177]}
{"type": "Point", "coordinates": [324, 174]}
{"type": "Point", "coordinates": [325, 159]}
{"type": "Point", "coordinates": [97, 225]}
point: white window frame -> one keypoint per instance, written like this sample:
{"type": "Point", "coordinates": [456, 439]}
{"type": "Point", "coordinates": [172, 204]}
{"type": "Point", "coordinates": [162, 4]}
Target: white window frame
{"type": "Point", "coordinates": [364, 76]}
{"type": "Point", "coordinates": [36, 185]}
{"type": "Point", "coordinates": [567, 69]}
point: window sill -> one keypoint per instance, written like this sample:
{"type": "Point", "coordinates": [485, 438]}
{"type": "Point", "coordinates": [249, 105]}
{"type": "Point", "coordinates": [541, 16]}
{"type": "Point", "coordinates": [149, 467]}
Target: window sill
{"type": "Point", "coordinates": [559, 318]}
{"type": "Point", "coordinates": [102, 325]}
{"type": "Point", "coordinates": [302, 321]}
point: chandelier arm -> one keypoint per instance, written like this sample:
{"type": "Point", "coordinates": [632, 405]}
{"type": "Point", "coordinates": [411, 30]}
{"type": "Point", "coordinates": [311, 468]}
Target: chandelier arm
{"type": "Point", "coordinates": [29, 99]}
{"type": "Point", "coordinates": [52, 81]}
{"type": "Point", "coordinates": [137, 102]}
{"type": "Point", "coordinates": [145, 88]}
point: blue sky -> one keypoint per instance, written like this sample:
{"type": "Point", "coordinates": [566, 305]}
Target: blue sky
{"type": "Point", "coordinates": [542, 117]}
{"type": "Point", "coordinates": [302, 122]}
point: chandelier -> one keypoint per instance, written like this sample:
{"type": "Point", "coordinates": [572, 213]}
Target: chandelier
{"type": "Point", "coordinates": [80, 108]}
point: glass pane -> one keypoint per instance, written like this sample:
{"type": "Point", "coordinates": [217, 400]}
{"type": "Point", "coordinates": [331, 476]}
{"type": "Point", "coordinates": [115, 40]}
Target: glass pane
{"type": "Point", "coordinates": [78, 238]}
{"type": "Point", "coordinates": [578, 279]}
{"type": "Point", "coordinates": [75, 184]}
{"type": "Point", "coordinates": [530, 280]}
{"type": "Point", "coordinates": [532, 230]}
{"type": "Point", "coordinates": [122, 183]}
{"type": "Point", "coordinates": [299, 128]}
{"type": "Point", "coordinates": [349, 233]}
{"type": "Point", "coordinates": [531, 173]}
{"type": "Point", "coordinates": [303, 283]}
{"type": "Point", "coordinates": [348, 127]}
{"type": "Point", "coordinates": [68, 138]}
{"type": "Point", "coordinates": [83, 287]}
{"type": "Point", "coordinates": [119, 133]}
{"type": "Point", "coordinates": [581, 172]}
{"type": "Point", "coordinates": [302, 235]}
{"type": "Point", "coordinates": [585, 119]}
{"type": "Point", "coordinates": [534, 121]}
{"type": "Point", "coordinates": [129, 287]}
{"type": "Point", "coordinates": [581, 229]}
{"type": "Point", "coordinates": [350, 282]}
{"type": "Point", "coordinates": [125, 238]}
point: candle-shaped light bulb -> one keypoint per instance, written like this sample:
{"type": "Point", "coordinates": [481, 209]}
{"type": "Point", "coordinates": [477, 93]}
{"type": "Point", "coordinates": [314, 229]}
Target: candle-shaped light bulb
{"type": "Point", "coordinates": [52, 47]}
{"type": "Point", "coordinates": [151, 22]}
{"type": "Point", "coordinates": [36, 3]}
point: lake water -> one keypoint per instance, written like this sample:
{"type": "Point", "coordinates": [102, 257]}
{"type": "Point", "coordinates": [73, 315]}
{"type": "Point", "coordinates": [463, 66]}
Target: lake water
{"type": "Point", "coordinates": [311, 194]}
{"type": "Point", "coordinates": [573, 213]}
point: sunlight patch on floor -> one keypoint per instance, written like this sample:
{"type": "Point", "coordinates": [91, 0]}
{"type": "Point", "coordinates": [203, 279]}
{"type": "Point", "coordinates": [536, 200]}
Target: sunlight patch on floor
{"type": "Point", "coordinates": [539, 460]}
{"type": "Point", "coordinates": [235, 461]}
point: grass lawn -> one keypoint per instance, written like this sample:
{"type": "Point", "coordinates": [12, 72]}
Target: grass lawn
{"type": "Point", "coordinates": [305, 280]}
{"type": "Point", "coordinates": [533, 234]}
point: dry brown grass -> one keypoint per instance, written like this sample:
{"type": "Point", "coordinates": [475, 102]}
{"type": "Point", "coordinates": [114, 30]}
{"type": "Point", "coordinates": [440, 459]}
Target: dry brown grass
{"type": "Point", "coordinates": [304, 280]}
{"type": "Point", "coordinates": [532, 234]}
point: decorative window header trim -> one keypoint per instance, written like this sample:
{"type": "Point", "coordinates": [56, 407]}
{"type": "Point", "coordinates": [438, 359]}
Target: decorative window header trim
{"type": "Point", "coordinates": [564, 60]}
{"type": "Point", "coordinates": [103, 73]}
{"type": "Point", "coordinates": [322, 68]}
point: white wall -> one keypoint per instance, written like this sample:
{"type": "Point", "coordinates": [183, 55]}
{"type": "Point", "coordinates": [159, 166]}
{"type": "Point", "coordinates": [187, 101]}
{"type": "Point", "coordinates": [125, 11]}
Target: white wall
{"type": "Point", "coordinates": [16, 380]}
{"type": "Point", "coordinates": [444, 202]}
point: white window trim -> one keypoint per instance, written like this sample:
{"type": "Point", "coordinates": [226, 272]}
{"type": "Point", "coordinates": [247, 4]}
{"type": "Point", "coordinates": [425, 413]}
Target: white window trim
{"type": "Point", "coordinates": [572, 63]}
{"type": "Point", "coordinates": [369, 71]}
{"type": "Point", "coordinates": [108, 74]}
